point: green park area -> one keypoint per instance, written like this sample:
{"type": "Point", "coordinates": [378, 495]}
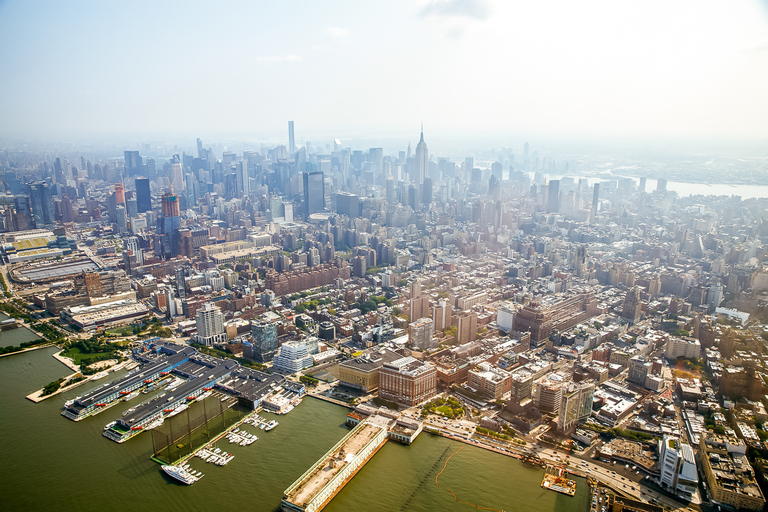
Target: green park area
{"type": "Point", "coordinates": [448, 407]}
{"type": "Point", "coordinates": [87, 352]}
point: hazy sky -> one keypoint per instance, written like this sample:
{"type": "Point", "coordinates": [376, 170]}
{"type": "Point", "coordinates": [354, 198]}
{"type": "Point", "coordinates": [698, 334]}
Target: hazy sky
{"type": "Point", "coordinates": [616, 67]}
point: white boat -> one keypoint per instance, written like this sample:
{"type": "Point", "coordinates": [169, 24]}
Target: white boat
{"type": "Point", "coordinates": [110, 425]}
{"type": "Point", "coordinates": [157, 423]}
{"type": "Point", "coordinates": [99, 375]}
{"type": "Point", "coordinates": [176, 411]}
{"type": "Point", "coordinates": [131, 396]}
{"type": "Point", "coordinates": [204, 396]}
{"type": "Point", "coordinates": [181, 474]}
{"type": "Point", "coordinates": [224, 398]}
{"type": "Point", "coordinates": [272, 424]}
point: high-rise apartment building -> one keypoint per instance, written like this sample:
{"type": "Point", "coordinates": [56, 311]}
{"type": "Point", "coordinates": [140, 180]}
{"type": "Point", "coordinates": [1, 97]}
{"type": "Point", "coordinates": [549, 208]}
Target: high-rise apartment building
{"type": "Point", "coordinates": [420, 334]}
{"type": "Point", "coordinates": [210, 325]}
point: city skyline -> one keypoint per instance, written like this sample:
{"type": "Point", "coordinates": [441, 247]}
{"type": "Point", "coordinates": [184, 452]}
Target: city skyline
{"type": "Point", "coordinates": [472, 67]}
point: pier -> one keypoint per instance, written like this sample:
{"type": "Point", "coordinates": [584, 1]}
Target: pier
{"type": "Point", "coordinates": [320, 483]}
{"type": "Point", "coordinates": [372, 427]}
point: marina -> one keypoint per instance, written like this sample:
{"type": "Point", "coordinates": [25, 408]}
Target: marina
{"type": "Point", "coordinates": [392, 480]}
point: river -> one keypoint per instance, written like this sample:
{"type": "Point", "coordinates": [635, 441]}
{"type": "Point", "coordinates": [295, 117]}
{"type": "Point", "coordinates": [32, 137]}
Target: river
{"type": "Point", "coordinates": [15, 336]}
{"type": "Point", "coordinates": [51, 463]}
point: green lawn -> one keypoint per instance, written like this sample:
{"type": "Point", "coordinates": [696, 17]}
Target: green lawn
{"type": "Point", "coordinates": [80, 358]}
{"type": "Point", "coordinates": [445, 410]}
{"type": "Point", "coordinates": [126, 330]}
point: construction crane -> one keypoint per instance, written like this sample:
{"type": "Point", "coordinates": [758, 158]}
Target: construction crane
{"type": "Point", "coordinates": [169, 182]}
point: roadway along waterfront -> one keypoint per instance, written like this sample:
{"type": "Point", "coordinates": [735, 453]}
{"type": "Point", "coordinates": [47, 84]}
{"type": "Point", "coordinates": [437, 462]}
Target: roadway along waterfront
{"type": "Point", "coordinates": [55, 464]}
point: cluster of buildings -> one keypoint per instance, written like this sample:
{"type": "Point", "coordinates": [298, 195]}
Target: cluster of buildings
{"type": "Point", "coordinates": [548, 304]}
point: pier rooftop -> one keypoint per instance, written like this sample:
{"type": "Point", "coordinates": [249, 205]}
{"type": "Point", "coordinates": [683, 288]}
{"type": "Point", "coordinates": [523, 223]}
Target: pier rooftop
{"type": "Point", "coordinates": [111, 391]}
{"type": "Point", "coordinates": [200, 375]}
{"type": "Point", "coordinates": [321, 474]}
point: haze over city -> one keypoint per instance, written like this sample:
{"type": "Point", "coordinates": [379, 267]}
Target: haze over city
{"type": "Point", "coordinates": [425, 255]}
{"type": "Point", "coordinates": [464, 67]}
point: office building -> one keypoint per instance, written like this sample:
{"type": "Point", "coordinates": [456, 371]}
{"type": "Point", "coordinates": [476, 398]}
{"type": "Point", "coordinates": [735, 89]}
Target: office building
{"type": "Point", "coordinates": [575, 404]}
{"type": "Point", "coordinates": [729, 476]}
{"type": "Point", "coordinates": [407, 381]}
{"type": "Point", "coordinates": [490, 381]}
{"type": "Point", "coordinates": [631, 308]}
{"type": "Point", "coordinates": [553, 198]}
{"type": "Point", "coordinates": [133, 164]}
{"type": "Point", "coordinates": [177, 175]}
{"type": "Point", "coordinates": [348, 204]}
{"type": "Point", "coordinates": [421, 160]}
{"type": "Point", "coordinates": [291, 140]}
{"type": "Point", "coordinates": [595, 202]}
{"type": "Point", "coordinates": [314, 192]}
{"type": "Point", "coordinates": [264, 341]}
{"type": "Point", "coordinates": [677, 467]}
{"type": "Point", "coordinates": [143, 196]}
{"type": "Point", "coordinates": [41, 203]}
{"type": "Point", "coordinates": [292, 357]}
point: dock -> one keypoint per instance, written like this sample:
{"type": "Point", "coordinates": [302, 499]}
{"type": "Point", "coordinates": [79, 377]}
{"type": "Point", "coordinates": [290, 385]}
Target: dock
{"type": "Point", "coordinates": [320, 483]}
{"type": "Point", "coordinates": [555, 479]}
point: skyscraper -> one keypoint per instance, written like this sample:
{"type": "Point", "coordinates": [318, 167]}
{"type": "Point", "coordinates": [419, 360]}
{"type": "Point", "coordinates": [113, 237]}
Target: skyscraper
{"type": "Point", "coordinates": [41, 203]}
{"type": "Point", "coordinates": [151, 170]}
{"type": "Point", "coordinates": [23, 217]}
{"type": "Point", "coordinates": [595, 202]}
{"type": "Point", "coordinates": [661, 185]}
{"type": "Point", "coordinates": [314, 192]}
{"type": "Point", "coordinates": [421, 159]}
{"type": "Point", "coordinates": [119, 193]}
{"type": "Point", "coordinates": [177, 176]}
{"type": "Point", "coordinates": [291, 140]}
{"type": "Point", "coordinates": [168, 227]}
{"type": "Point", "coordinates": [426, 191]}
{"type": "Point", "coordinates": [631, 307]}
{"type": "Point", "coordinates": [143, 196]}
{"type": "Point", "coordinates": [553, 199]}
{"type": "Point", "coordinates": [210, 325]}
{"type": "Point", "coordinates": [133, 164]}
{"type": "Point", "coordinates": [181, 289]}
{"type": "Point", "coordinates": [264, 341]}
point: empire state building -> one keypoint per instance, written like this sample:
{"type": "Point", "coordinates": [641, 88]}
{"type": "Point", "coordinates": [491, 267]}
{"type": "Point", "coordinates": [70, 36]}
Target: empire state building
{"type": "Point", "coordinates": [421, 159]}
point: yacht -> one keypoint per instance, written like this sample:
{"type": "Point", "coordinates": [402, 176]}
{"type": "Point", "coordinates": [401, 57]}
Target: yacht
{"type": "Point", "coordinates": [110, 425]}
{"type": "Point", "coordinates": [181, 474]}
{"type": "Point", "coordinates": [272, 424]}
{"type": "Point", "coordinates": [130, 396]}
{"type": "Point", "coordinates": [176, 411]}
